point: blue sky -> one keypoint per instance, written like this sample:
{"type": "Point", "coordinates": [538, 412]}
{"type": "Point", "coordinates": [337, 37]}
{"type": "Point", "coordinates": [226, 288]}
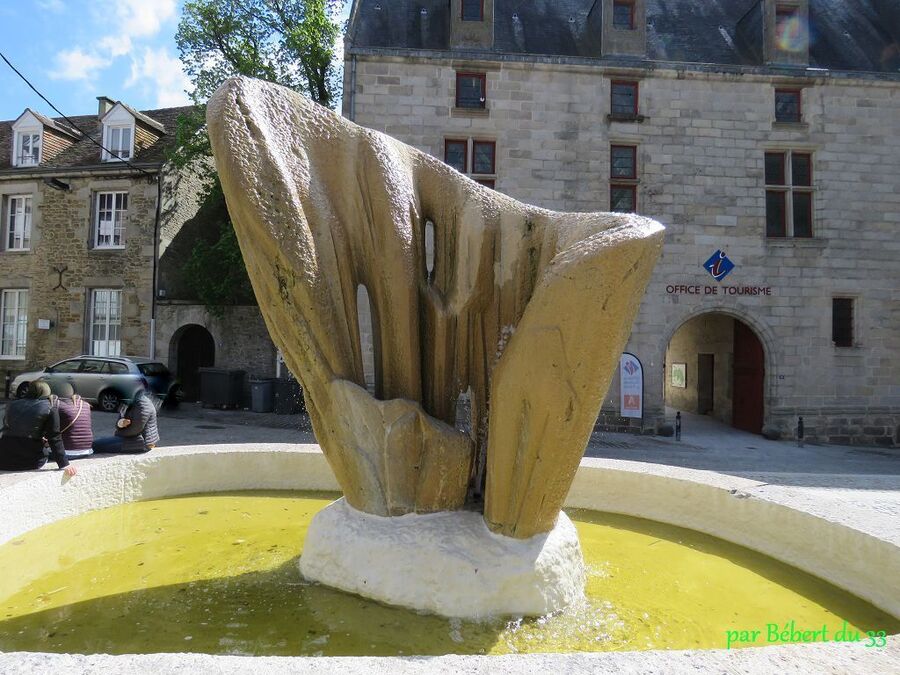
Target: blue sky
{"type": "Point", "coordinates": [76, 50]}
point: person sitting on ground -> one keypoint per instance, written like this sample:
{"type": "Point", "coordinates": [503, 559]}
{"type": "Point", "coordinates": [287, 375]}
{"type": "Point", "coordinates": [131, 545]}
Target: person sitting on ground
{"type": "Point", "coordinates": [31, 433]}
{"type": "Point", "coordinates": [74, 420]}
{"type": "Point", "coordinates": [136, 431]}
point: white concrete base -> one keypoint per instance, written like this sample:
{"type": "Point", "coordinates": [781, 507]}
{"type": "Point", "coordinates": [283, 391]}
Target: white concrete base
{"type": "Point", "coordinates": [444, 563]}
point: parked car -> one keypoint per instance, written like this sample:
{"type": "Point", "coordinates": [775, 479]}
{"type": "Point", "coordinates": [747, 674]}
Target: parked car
{"type": "Point", "coordinates": [106, 381]}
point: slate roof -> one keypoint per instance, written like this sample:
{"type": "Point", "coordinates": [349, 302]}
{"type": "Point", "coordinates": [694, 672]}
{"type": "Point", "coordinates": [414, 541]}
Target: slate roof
{"type": "Point", "coordinates": [83, 153]}
{"type": "Point", "coordinates": [53, 124]}
{"type": "Point", "coordinates": [862, 35]}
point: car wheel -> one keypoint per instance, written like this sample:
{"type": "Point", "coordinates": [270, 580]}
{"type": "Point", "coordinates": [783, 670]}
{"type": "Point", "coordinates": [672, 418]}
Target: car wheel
{"type": "Point", "coordinates": [174, 397]}
{"type": "Point", "coordinates": [20, 392]}
{"type": "Point", "coordinates": [109, 401]}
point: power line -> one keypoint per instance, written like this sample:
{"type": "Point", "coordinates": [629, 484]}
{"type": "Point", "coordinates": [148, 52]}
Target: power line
{"type": "Point", "coordinates": [71, 123]}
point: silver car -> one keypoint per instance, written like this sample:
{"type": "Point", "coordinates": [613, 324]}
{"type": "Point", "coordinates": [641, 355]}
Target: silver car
{"type": "Point", "coordinates": [104, 381]}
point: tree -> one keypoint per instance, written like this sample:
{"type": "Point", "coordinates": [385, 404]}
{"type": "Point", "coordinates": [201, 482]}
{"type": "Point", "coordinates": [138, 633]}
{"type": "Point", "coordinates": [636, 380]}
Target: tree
{"type": "Point", "coordinates": [290, 42]}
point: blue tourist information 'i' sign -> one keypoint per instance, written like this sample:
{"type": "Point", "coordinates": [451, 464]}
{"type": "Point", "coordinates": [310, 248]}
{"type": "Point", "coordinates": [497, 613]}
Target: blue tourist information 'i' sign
{"type": "Point", "coordinates": [718, 265]}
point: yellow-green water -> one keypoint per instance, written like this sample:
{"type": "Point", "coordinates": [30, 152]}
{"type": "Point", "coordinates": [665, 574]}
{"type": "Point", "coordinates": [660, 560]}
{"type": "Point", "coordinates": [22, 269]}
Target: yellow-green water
{"type": "Point", "coordinates": [218, 574]}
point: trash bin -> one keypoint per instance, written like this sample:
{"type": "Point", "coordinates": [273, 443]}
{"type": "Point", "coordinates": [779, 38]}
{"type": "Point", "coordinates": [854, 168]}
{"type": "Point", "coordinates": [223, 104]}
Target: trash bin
{"type": "Point", "coordinates": [288, 397]}
{"type": "Point", "coordinates": [262, 396]}
{"type": "Point", "coordinates": [221, 387]}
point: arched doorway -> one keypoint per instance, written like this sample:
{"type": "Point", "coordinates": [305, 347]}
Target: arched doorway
{"type": "Point", "coordinates": [715, 365]}
{"type": "Point", "coordinates": [192, 348]}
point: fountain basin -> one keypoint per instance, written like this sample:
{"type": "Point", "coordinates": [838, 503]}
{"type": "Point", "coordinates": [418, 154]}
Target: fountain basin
{"type": "Point", "coordinates": [847, 547]}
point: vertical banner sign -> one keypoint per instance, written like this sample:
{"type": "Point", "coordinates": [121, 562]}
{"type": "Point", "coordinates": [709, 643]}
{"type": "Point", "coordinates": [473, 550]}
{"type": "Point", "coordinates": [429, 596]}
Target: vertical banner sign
{"type": "Point", "coordinates": [631, 387]}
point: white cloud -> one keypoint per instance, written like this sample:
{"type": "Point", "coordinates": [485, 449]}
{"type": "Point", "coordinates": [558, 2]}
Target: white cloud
{"type": "Point", "coordinates": [74, 64]}
{"type": "Point", "coordinates": [56, 6]}
{"type": "Point", "coordinates": [137, 18]}
{"type": "Point", "coordinates": [159, 73]}
{"type": "Point", "coordinates": [115, 45]}
{"type": "Point", "coordinates": [120, 23]}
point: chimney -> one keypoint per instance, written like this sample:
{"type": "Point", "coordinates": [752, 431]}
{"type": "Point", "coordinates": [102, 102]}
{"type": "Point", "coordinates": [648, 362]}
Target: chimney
{"type": "Point", "coordinates": [105, 104]}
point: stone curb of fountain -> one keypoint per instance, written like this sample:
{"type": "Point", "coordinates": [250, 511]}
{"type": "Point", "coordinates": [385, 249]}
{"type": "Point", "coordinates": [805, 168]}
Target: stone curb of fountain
{"type": "Point", "coordinates": [848, 659]}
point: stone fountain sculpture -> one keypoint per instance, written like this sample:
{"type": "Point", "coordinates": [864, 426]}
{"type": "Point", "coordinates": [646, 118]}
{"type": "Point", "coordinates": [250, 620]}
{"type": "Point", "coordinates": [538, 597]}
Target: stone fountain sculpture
{"type": "Point", "coordinates": [525, 309]}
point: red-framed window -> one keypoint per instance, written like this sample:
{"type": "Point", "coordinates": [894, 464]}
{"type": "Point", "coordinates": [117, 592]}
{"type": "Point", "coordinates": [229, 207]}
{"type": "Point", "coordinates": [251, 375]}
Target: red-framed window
{"type": "Point", "coordinates": [787, 24]}
{"type": "Point", "coordinates": [788, 105]}
{"type": "Point", "coordinates": [623, 162]}
{"type": "Point", "coordinates": [456, 154]}
{"type": "Point", "coordinates": [471, 90]}
{"type": "Point", "coordinates": [623, 97]}
{"type": "Point", "coordinates": [482, 168]}
{"type": "Point", "coordinates": [484, 157]}
{"type": "Point", "coordinates": [472, 10]}
{"type": "Point", "coordinates": [623, 14]}
{"type": "Point", "coordinates": [623, 178]}
{"type": "Point", "coordinates": [623, 198]}
{"type": "Point", "coordinates": [789, 194]}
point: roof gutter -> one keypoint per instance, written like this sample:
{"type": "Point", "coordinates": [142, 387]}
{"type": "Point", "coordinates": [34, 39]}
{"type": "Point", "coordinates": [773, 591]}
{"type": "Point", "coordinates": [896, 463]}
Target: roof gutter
{"type": "Point", "coordinates": [73, 172]}
{"type": "Point", "coordinates": [805, 72]}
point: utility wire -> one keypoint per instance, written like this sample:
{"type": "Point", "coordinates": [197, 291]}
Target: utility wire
{"type": "Point", "coordinates": [71, 123]}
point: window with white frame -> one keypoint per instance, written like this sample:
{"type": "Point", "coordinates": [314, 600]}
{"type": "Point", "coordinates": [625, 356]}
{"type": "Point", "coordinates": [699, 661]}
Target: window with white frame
{"type": "Point", "coordinates": [118, 142]}
{"type": "Point", "coordinates": [13, 323]}
{"type": "Point", "coordinates": [110, 219]}
{"type": "Point", "coordinates": [27, 149]}
{"type": "Point", "coordinates": [18, 223]}
{"type": "Point", "coordinates": [106, 322]}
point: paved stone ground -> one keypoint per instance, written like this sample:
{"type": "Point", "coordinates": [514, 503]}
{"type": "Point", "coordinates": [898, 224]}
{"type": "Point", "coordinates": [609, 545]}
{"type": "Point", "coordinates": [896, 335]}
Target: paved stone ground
{"type": "Point", "coordinates": [705, 444]}
{"type": "Point", "coordinates": [867, 478]}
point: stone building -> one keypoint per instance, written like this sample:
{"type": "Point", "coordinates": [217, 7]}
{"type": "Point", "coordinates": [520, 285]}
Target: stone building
{"type": "Point", "coordinates": [89, 243]}
{"type": "Point", "coordinates": [764, 134]}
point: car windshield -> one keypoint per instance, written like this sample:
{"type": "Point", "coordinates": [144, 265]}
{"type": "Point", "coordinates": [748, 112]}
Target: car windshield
{"type": "Point", "coordinates": [153, 369]}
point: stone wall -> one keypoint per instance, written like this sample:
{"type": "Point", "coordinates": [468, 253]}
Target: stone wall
{"type": "Point", "coordinates": [700, 155]}
{"type": "Point", "coordinates": [240, 335]}
{"type": "Point", "coordinates": [62, 229]}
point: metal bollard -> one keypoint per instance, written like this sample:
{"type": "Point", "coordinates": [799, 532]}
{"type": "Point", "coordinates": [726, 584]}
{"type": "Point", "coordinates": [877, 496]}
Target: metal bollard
{"type": "Point", "coordinates": [799, 432]}
{"type": "Point", "coordinates": [8, 383]}
{"type": "Point", "coordinates": [678, 426]}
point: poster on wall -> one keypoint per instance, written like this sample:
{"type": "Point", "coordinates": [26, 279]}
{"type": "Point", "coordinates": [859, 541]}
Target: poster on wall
{"type": "Point", "coordinates": [631, 388]}
{"type": "Point", "coordinates": [679, 375]}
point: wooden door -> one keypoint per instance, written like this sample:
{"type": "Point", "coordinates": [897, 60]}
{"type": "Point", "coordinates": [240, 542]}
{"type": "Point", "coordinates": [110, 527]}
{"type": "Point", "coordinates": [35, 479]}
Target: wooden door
{"type": "Point", "coordinates": [749, 379]}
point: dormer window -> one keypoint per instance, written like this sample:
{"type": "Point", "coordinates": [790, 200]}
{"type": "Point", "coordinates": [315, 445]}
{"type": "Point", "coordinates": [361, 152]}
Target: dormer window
{"type": "Point", "coordinates": [28, 148]}
{"type": "Point", "coordinates": [118, 142]}
{"type": "Point", "coordinates": [28, 133]}
{"type": "Point", "coordinates": [118, 133]}
{"type": "Point", "coordinates": [472, 10]}
{"type": "Point", "coordinates": [623, 14]}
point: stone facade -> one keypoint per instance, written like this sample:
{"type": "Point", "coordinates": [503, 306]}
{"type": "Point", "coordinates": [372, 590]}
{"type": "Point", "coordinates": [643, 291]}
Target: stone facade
{"type": "Point", "coordinates": [701, 140]}
{"type": "Point", "coordinates": [240, 336]}
{"type": "Point", "coordinates": [61, 228]}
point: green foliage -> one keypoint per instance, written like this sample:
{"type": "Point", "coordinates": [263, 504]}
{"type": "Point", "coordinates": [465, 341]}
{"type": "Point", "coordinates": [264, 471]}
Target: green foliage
{"type": "Point", "coordinates": [289, 42]}
{"type": "Point", "coordinates": [215, 271]}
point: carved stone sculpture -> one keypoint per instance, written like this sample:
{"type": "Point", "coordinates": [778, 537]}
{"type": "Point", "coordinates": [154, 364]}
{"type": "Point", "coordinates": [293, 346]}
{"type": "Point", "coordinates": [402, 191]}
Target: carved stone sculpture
{"type": "Point", "coordinates": [525, 308]}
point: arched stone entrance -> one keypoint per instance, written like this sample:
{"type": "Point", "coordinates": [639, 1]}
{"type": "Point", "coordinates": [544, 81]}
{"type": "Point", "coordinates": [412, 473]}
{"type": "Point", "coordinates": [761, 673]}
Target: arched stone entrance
{"type": "Point", "coordinates": [192, 347]}
{"type": "Point", "coordinates": [716, 365]}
